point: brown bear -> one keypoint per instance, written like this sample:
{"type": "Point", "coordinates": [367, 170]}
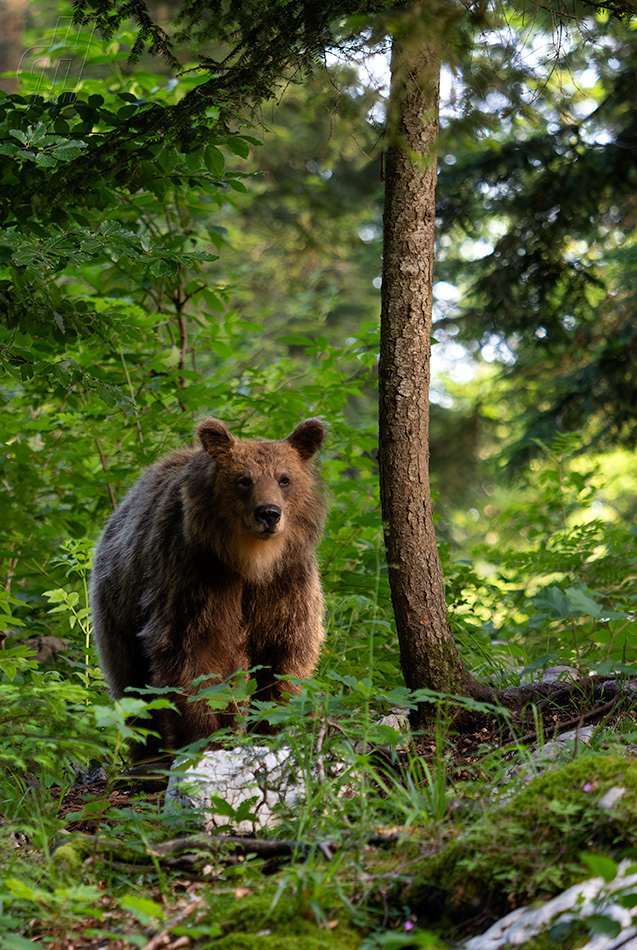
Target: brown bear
{"type": "Point", "coordinates": [208, 568]}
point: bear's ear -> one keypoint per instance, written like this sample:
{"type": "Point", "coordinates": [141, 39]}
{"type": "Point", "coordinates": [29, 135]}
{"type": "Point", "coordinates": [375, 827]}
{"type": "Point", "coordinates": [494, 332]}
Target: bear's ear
{"type": "Point", "coordinates": [308, 437]}
{"type": "Point", "coordinates": [214, 436]}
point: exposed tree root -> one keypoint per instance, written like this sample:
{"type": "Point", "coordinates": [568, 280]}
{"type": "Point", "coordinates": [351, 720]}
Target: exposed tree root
{"type": "Point", "coordinates": [563, 726]}
{"type": "Point", "coordinates": [525, 713]}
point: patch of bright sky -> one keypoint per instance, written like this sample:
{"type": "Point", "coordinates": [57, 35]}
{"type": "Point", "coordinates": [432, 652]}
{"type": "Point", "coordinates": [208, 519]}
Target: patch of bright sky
{"type": "Point", "coordinates": [449, 358]}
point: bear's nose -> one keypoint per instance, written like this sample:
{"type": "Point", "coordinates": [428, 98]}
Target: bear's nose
{"type": "Point", "coordinates": [268, 515]}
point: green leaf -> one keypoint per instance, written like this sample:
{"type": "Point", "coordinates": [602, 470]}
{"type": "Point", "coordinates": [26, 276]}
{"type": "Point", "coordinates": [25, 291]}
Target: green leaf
{"type": "Point", "coordinates": [222, 807]}
{"type": "Point", "coordinates": [580, 602]}
{"type": "Point", "coordinates": [552, 601]}
{"type": "Point", "coordinates": [603, 925]}
{"type": "Point", "coordinates": [69, 152]}
{"type": "Point", "coordinates": [56, 596]}
{"type": "Point", "coordinates": [601, 866]}
{"type": "Point", "coordinates": [239, 146]}
{"type": "Point", "coordinates": [295, 339]}
{"type": "Point", "coordinates": [20, 135]}
{"type": "Point", "coordinates": [16, 942]}
{"type": "Point", "coordinates": [46, 161]}
{"type": "Point", "coordinates": [194, 160]}
{"type": "Point", "coordinates": [23, 890]}
{"type": "Point", "coordinates": [126, 112]}
{"type": "Point", "coordinates": [214, 160]}
{"type": "Point", "coordinates": [143, 909]}
{"type": "Point", "coordinates": [223, 350]}
{"type": "Point", "coordinates": [244, 811]}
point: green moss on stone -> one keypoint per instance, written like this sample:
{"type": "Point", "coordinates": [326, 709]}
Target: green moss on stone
{"type": "Point", "coordinates": [71, 855]}
{"type": "Point", "coordinates": [531, 847]}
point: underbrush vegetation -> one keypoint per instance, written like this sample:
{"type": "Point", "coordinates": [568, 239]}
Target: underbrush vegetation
{"type": "Point", "coordinates": [82, 865]}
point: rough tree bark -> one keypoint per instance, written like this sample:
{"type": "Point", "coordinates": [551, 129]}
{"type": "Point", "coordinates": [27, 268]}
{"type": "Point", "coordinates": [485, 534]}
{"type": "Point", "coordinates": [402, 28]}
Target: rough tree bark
{"type": "Point", "coordinates": [11, 27]}
{"type": "Point", "coordinates": [429, 657]}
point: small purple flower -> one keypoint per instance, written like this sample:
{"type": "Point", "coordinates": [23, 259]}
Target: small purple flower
{"type": "Point", "coordinates": [409, 925]}
{"type": "Point", "coordinates": [588, 787]}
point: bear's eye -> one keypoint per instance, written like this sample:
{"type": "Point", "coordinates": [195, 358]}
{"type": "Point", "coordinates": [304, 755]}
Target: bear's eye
{"type": "Point", "coordinates": [244, 482]}
{"type": "Point", "coordinates": [284, 481]}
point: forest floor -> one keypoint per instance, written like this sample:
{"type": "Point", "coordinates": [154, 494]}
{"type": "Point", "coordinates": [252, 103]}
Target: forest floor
{"type": "Point", "coordinates": [223, 899]}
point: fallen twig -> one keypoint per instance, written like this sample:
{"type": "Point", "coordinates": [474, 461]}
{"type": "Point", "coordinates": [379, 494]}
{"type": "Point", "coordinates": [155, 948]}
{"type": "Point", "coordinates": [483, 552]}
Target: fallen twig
{"type": "Point", "coordinates": [320, 739]}
{"type": "Point", "coordinates": [262, 847]}
{"type": "Point", "coordinates": [185, 853]}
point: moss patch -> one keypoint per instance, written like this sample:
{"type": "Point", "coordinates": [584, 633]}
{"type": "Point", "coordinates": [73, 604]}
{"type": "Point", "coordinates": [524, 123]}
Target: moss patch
{"type": "Point", "coordinates": [530, 848]}
{"type": "Point", "coordinates": [70, 856]}
{"type": "Point", "coordinates": [338, 939]}
{"type": "Point", "coordinates": [258, 922]}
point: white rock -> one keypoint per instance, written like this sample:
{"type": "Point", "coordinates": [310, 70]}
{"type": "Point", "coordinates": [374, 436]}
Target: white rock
{"type": "Point", "coordinates": [611, 797]}
{"type": "Point", "coordinates": [556, 748]}
{"type": "Point", "coordinates": [399, 722]}
{"type": "Point", "coordinates": [555, 674]}
{"type": "Point", "coordinates": [578, 902]}
{"type": "Point", "coordinates": [234, 777]}
{"type": "Point", "coordinates": [547, 755]}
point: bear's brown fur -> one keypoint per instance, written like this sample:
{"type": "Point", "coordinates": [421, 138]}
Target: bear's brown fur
{"type": "Point", "coordinates": [208, 568]}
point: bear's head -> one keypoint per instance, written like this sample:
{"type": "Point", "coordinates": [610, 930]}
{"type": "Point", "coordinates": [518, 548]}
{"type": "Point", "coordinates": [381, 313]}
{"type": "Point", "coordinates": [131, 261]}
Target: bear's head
{"type": "Point", "coordinates": [264, 491]}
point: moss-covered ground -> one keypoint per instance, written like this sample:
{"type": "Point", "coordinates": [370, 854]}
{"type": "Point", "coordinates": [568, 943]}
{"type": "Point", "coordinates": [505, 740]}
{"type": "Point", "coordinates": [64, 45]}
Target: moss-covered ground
{"type": "Point", "coordinates": [462, 856]}
{"type": "Point", "coordinates": [530, 847]}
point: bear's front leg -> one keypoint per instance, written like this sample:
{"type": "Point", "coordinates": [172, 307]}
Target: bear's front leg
{"type": "Point", "coordinates": [207, 642]}
{"type": "Point", "coordinates": [284, 624]}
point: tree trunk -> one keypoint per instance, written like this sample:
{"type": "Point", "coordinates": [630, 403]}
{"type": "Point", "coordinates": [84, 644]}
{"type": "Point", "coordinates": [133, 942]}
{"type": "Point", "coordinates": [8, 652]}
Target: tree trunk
{"type": "Point", "coordinates": [429, 657]}
{"type": "Point", "coordinates": [12, 25]}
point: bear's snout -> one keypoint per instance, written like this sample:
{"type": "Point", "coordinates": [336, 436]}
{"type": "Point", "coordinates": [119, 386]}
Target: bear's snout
{"type": "Point", "coordinates": [269, 516]}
